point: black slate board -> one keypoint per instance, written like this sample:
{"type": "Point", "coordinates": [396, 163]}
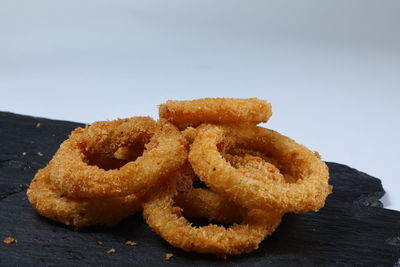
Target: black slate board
{"type": "Point", "coordinates": [352, 229]}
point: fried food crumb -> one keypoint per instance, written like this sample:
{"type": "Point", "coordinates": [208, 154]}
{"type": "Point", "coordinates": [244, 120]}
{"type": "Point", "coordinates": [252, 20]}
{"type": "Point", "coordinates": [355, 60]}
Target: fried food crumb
{"type": "Point", "coordinates": [168, 256]}
{"type": "Point", "coordinates": [221, 256]}
{"type": "Point", "coordinates": [38, 125]}
{"type": "Point", "coordinates": [111, 251]}
{"type": "Point", "coordinates": [99, 243]}
{"type": "Point", "coordinates": [40, 154]}
{"type": "Point", "coordinates": [23, 153]}
{"type": "Point", "coordinates": [9, 240]}
{"type": "Point", "coordinates": [131, 243]}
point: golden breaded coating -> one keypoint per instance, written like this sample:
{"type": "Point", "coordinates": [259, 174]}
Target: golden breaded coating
{"type": "Point", "coordinates": [215, 110]}
{"type": "Point", "coordinates": [189, 133]}
{"type": "Point", "coordinates": [203, 203]}
{"type": "Point", "coordinates": [167, 221]}
{"type": "Point", "coordinates": [255, 167]}
{"type": "Point", "coordinates": [198, 202]}
{"type": "Point", "coordinates": [307, 193]}
{"type": "Point", "coordinates": [165, 152]}
{"type": "Point", "coordinates": [53, 204]}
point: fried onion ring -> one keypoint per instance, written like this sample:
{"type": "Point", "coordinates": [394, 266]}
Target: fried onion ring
{"type": "Point", "coordinates": [307, 193]}
{"type": "Point", "coordinates": [167, 221]}
{"type": "Point", "coordinates": [72, 175]}
{"type": "Point", "coordinates": [203, 203]}
{"type": "Point", "coordinates": [215, 110]}
{"type": "Point", "coordinates": [51, 203]}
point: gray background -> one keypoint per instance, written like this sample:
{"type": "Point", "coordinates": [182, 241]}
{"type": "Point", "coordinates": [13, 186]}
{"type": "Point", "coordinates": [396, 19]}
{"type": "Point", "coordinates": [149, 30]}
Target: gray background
{"type": "Point", "coordinates": [331, 69]}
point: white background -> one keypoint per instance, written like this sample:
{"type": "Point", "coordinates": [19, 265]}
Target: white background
{"type": "Point", "coordinates": [331, 69]}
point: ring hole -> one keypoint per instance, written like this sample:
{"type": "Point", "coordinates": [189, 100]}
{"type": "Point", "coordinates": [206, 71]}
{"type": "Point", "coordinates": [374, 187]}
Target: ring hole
{"type": "Point", "coordinates": [200, 221]}
{"type": "Point", "coordinates": [130, 153]}
{"type": "Point", "coordinates": [117, 160]}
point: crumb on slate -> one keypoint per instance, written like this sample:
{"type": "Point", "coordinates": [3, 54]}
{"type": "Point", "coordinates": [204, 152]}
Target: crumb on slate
{"type": "Point", "coordinates": [131, 243]}
{"type": "Point", "coordinates": [221, 256]}
{"type": "Point", "coordinates": [111, 251]}
{"type": "Point", "coordinates": [24, 153]}
{"type": "Point", "coordinates": [9, 240]}
{"type": "Point", "coordinates": [38, 125]}
{"type": "Point", "coordinates": [168, 256]}
{"type": "Point", "coordinates": [40, 154]}
{"type": "Point", "coordinates": [99, 243]}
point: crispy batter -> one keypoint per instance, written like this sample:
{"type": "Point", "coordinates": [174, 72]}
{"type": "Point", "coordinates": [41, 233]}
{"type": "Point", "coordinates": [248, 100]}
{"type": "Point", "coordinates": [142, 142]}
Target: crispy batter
{"type": "Point", "coordinates": [255, 167]}
{"type": "Point", "coordinates": [51, 203]}
{"type": "Point", "coordinates": [203, 203]}
{"type": "Point", "coordinates": [236, 151]}
{"type": "Point", "coordinates": [167, 221]}
{"type": "Point", "coordinates": [9, 240]}
{"type": "Point", "coordinates": [130, 243]}
{"type": "Point", "coordinates": [307, 193]}
{"type": "Point", "coordinates": [189, 133]}
{"type": "Point", "coordinates": [198, 203]}
{"type": "Point", "coordinates": [215, 110]}
{"type": "Point", "coordinates": [111, 251]}
{"type": "Point", "coordinates": [165, 153]}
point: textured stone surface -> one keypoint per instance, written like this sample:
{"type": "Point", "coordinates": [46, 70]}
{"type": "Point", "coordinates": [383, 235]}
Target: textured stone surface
{"type": "Point", "coordinates": [352, 229]}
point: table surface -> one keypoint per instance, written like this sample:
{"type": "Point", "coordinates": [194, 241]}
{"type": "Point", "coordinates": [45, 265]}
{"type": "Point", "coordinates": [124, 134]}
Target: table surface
{"type": "Point", "coordinates": [331, 72]}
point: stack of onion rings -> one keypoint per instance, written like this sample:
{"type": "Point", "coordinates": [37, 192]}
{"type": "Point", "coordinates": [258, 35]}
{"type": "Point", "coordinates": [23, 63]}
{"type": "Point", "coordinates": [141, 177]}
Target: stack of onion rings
{"type": "Point", "coordinates": [254, 175]}
{"type": "Point", "coordinates": [100, 173]}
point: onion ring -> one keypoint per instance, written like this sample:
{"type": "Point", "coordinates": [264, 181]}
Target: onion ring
{"type": "Point", "coordinates": [165, 153]}
{"type": "Point", "coordinates": [167, 221]}
{"type": "Point", "coordinates": [51, 203]}
{"type": "Point", "coordinates": [203, 203]}
{"type": "Point", "coordinates": [215, 110]}
{"type": "Point", "coordinates": [307, 193]}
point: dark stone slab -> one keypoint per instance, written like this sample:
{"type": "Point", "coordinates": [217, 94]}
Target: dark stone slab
{"type": "Point", "coordinates": [352, 229]}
